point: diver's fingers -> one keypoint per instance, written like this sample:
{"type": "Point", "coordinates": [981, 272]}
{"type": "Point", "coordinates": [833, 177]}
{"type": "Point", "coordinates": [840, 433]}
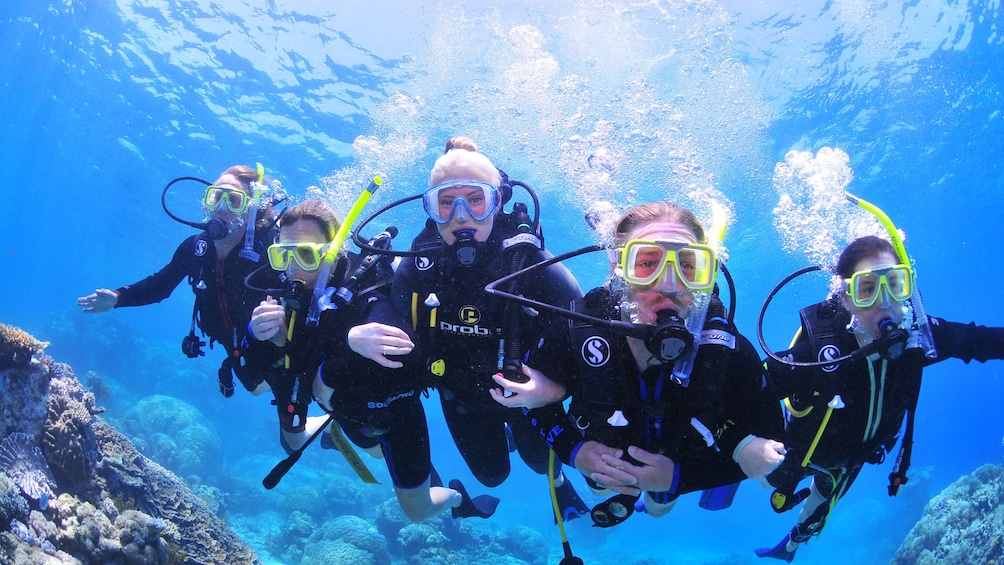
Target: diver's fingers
{"type": "Point", "coordinates": [499, 395]}
{"type": "Point", "coordinates": [615, 483]}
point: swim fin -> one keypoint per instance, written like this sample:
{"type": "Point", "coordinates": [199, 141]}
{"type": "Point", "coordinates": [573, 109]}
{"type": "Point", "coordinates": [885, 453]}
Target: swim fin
{"type": "Point", "coordinates": [480, 506]}
{"type": "Point", "coordinates": [779, 551]}
{"type": "Point", "coordinates": [434, 479]}
{"type": "Point", "coordinates": [571, 505]}
{"type": "Point", "coordinates": [510, 440]}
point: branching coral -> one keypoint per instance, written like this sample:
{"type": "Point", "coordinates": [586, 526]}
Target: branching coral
{"type": "Point", "coordinates": [17, 347]}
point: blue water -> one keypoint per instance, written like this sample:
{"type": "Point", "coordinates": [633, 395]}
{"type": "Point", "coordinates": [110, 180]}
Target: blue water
{"type": "Point", "coordinates": [104, 102]}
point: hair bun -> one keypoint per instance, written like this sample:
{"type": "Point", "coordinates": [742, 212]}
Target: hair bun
{"type": "Point", "coordinates": [460, 142]}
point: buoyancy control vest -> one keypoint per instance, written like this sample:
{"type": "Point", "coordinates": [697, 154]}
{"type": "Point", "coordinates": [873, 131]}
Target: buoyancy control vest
{"type": "Point", "coordinates": [447, 302]}
{"type": "Point", "coordinates": [293, 371]}
{"type": "Point", "coordinates": [620, 407]}
{"type": "Point", "coordinates": [824, 326]}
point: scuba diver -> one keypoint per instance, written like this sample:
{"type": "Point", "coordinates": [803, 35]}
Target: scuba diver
{"type": "Point", "coordinates": [853, 374]}
{"type": "Point", "coordinates": [666, 396]}
{"type": "Point", "coordinates": [349, 352]}
{"type": "Point", "coordinates": [240, 223]}
{"type": "Point", "coordinates": [468, 336]}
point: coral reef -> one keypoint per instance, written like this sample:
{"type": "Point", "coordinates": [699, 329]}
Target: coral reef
{"type": "Point", "coordinates": [67, 439]}
{"type": "Point", "coordinates": [23, 391]}
{"type": "Point", "coordinates": [175, 436]}
{"type": "Point", "coordinates": [963, 524]}
{"type": "Point", "coordinates": [23, 462]}
{"type": "Point", "coordinates": [442, 540]}
{"type": "Point", "coordinates": [17, 347]}
{"type": "Point", "coordinates": [114, 506]}
{"type": "Point", "coordinates": [346, 540]}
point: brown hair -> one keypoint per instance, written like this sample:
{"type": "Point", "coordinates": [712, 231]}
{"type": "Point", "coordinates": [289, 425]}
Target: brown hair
{"type": "Point", "coordinates": [652, 212]}
{"type": "Point", "coordinates": [317, 211]}
{"type": "Point", "coordinates": [462, 152]}
{"type": "Point", "coordinates": [245, 174]}
{"type": "Point", "coordinates": [859, 250]}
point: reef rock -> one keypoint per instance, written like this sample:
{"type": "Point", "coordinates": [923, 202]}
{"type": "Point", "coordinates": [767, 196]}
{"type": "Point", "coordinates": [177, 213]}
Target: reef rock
{"type": "Point", "coordinates": [17, 347]}
{"type": "Point", "coordinates": [963, 524]}
{"type": "Point", "coordinates": [74, 490]}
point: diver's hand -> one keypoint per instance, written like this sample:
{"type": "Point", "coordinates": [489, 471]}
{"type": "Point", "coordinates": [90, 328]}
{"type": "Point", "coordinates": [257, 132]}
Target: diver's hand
{"type": "Point", "coordinates": [593, 459]}
{"type": "Point", "coordinates": [654, 474]}
{"type": "Point", "coordinates": [760, 456]}
{"type": "Point", "coordinates": [268, 322]}
{"type": "Point", "coordinates": [536, 392]}
{"type": "Point", "coordinates": [102, 300]}
{"type": "Point", "coordinates": [376, 341]}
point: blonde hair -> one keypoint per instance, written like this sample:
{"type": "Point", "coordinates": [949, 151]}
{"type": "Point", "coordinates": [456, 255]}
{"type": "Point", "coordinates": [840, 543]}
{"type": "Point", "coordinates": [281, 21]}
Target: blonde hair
{"type": "Point", "coordinates": [317, 211]}
{"type": "Point", "coordinates": [462, 152]}
{"type": "Point", "coordinates": [650, 212]}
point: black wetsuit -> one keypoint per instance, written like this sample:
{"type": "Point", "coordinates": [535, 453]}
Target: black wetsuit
{"type": "Point", "coordinates": [727, 393]}
{"type": "Point", "coordinates": [223, 304]}
{"type": "Point", "coordinates": [373, 404]}
{"type": "Point", "coordinates": [462, 345]}
{"type": "Point", "coordinates": [876, 393]}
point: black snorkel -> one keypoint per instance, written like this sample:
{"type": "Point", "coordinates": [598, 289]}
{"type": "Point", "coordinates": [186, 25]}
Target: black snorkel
{"type": "Point", "coordinates": [215, 228]}
{"type": "Point", "coordinates": [296, 293]}
{"type": "Point", "coordinates": [890, 345]}
{"type": "Point", "coordinates": [662, 341]}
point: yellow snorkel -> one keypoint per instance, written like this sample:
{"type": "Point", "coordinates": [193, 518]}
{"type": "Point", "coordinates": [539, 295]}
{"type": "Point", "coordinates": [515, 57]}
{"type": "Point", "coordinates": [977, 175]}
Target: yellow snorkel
{"type": "Point", "coordinates": [921, 334]}
{"type": "Point", "coordinates": [320, 300]}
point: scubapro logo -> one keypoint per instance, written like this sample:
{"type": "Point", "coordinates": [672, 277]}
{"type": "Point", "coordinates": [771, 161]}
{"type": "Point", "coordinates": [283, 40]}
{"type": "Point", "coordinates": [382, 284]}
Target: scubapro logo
{"type": "Point", "coordinates": [200, 247]}
{"type": "Point", "coordinates": [596, 351]}
{"type": "Point", "coordinates": [463, 330]}
{"type": "Point", "coordinates": [469, 315]}
{"type": "Point", "coordinates": [423, 263]}
{"type": "Point", "coordinates": [388, 402]}
{"type": "Point", "coordinates": [829, 352]}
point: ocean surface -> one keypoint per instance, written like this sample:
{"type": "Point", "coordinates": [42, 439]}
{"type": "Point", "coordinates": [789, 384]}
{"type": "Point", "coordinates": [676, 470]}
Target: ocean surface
{"type": "Point", "coordinates": [773, 109]}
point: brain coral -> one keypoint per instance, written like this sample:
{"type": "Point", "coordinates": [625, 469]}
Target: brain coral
{"type": "Point", "coordinates": [346, 540]}
{"type": "Point", "coordinates": [963, 524]}
{"type": "Point", "coordinates": [17, 347]}
{"type": "Point", "coordinates": [68, 441]}
{"type": "Point", "coordinates": [176, 437]}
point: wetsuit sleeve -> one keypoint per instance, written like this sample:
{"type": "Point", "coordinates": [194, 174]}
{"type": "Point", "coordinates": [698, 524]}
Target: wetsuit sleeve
{"type": "Point", "coordinates": [705, 469]}
{"type": "Point", "coordinates": [750, 409]}
{"type": "Point", "coordinates": [966, 341]}
{"type": "Point", "coordinates": [160, 285]}
{"type": "Point", "coordinates": [751, 404]}
{"type": "Point", "coordinates": [551, 355]}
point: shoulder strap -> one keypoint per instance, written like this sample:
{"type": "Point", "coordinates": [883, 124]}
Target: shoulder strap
{"type": "Point", "coordinates": [897, 477]}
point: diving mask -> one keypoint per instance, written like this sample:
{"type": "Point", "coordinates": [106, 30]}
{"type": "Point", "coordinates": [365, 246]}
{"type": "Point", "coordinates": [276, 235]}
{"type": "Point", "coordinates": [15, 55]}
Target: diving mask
{"type": "Point", "coordinates": [865, 287]}
{"type": "Point", "coordinates": [236, 199]}
{"type": "Point", "coordinates": [643, 261]}
{"type": "Point", "coordinates": [308, 255]}
{"type": "Point", "coordinates": [466, 199]}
